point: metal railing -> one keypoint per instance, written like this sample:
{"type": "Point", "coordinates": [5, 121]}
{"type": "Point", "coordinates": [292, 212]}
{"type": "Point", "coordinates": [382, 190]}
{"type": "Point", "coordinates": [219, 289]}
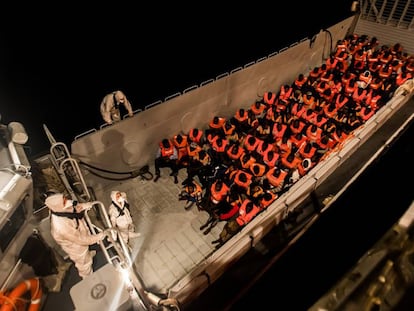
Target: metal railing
{"type": "Point", "coordinates": [398, 13]}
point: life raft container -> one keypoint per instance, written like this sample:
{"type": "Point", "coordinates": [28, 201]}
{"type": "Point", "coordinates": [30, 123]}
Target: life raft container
{"type": "Point", "coordinates": [14, 300]}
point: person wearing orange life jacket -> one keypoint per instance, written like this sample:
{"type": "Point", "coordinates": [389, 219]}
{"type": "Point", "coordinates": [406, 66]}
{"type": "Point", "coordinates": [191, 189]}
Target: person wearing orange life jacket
{"type": "Point", "coordinates": [386, 57]}
{"type": "Point", "coordinates": [272, 114]}
{"type": "Point", "coordinates": [255, 191]}
{"type": "Point", "coordinates": [263, 147]}
{"type": "Point", "coordinates": [298, 109]}
{"type": "Point", "coordinates": [309, 100]}
{"type": "Point", "coordinates": [226, 210]}
{"type": "Point", "coordinates": [365, 113]}
{"type": "Point", "coordinates": [330, 126]}
{"type": "Point", "coordinates": [324, 144]}
{"type": "Point", "coordinates": [196, 135]}
{"type": "Point", "coordinates": [402, 77]}
{"type": "Point", "coordinates": [320, 120]}
{"type": "Point", "coordinates": [276, 178]}
{"type": "Point", "coordinates": [248, 210]}
{"type": "Point", "coordinates": [264, 129]}
{"type": "Point", "coordinates": [290, 161]}
{"type": "Point", "coordinates": [341, 100]}
{"type": "Point", "coordinates": [373, 99]}
{"type": "Point", "coordinates": [269, 98]}
{"type": "Point", "coordinates": [296, 126]}
{"type": "Point", "coordinates": [353, 122]}
{"type": "Point", "coordinates": [166, 156]}
{"type": "Point", "coordinates": [241, 120]}
{"type": "Point", "coordinates": [218, 191]}
{"type": "Point", "coordinates": [246, 160]}
{"type": "Point", "coordinates": [267, 198]}
{"type": "Point", "coordinates": [313, 132]}
{"type": "Point", "coordinates": [376, 83]}
{"type": "Point", "coordinates": [270, 158]}
{"type": "Point", "coordinates": [258, 169]}
{"type": "Point", "coordinates": [375, 68]}
{"type": "Point", "coordinates": [359, 95]}
{"type": "Point", "coordinates": [278, 130]}
{"type": "Point", "coordinates": [192, 193]}
{"type": "Point", "coordinates": [385, 71]}
{"type": "Point", "coordinates": [285, 145]}
{"type": "Point", "coordinates": [252, 121]}
{"type": "Point", "coordinates": [327, 76]}
{"type": "Point", "coordinates": [234, 152]}
{"type": "Point", "coordinates": [251, 142]}
{"type": "Point", "coordinates": [309, 115]}
{"type": "Point", "coordinates": [300, 82]}
{"type": "Point", "coordinates": [230, 133]}
{"type": "Point", "coordinates": [181, 143]}
{"type": "Point", "coordinates": [339, 135]}
{"type": "Point", "coordinates": [298, 140]}
{"type": "Point", "coordinates": [284, 94]}
{"type": "Point", "coordinates": [330, 110]}
{"type": "Point", "coordinates": [307, 150]}
{"type": "Point", "coordinates": [258, 108]}
{"type": "Point", "coordinates": [241, 180]}
{"type": "Point", "coordinates": [215, 126]}
{"type": "Point", "coordinates": [341, 117]}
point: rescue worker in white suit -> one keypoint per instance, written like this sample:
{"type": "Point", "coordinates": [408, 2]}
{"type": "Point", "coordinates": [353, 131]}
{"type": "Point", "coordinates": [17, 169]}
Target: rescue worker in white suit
{"type": "Point", "coordinates": [120, 216]}
{"type": "Point", "coordinates": [71, 232]}
{"type": "Point", "coordinates": [110, 106]}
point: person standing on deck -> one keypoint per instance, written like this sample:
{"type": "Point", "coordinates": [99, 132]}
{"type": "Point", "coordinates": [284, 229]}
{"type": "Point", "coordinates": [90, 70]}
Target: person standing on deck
{"type": "Point", "coordinates": [166, 156]}
{"type": "Point", "coordinates": [120, 216]}
{"type": "Point", "coordinates": [110, 106]}
{"type": "Point", "coordinates": [71, 232]}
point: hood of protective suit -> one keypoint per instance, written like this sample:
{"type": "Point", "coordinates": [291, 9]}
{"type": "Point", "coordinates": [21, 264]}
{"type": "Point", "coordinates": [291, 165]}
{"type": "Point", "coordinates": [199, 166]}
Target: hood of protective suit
{"type": "Point", "coordinates": [113, 195]}
{"type": "Point", "coordinates": [55, 203]}
{"type": "Point", "coordinates": [121, 200]}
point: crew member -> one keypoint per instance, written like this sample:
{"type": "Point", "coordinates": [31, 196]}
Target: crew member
{"type": "Point", "coordinates": [110, 106]}
{"type": "Point", "coordinates": [71, 232]}
{"type": "Point", "coordinates": [120, 216]}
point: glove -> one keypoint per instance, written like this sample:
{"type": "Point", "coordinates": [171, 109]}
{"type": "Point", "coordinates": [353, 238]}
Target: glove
{"type": "Point", "coordinates": [100, 236]}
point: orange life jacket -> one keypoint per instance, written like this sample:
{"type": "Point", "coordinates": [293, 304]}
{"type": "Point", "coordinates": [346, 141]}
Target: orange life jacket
{"type": "Point", "coordinates": [269, 98]}
{"type": "Point", "coordinates": [248, 210]}
{"type": "Point", "coordinates": [167, 152]}
{"type": "Point", "coordinates": [217, 195]}
{"type": "Point", "coordinates": [270, 158]}
{"type": "Point", "coordinates": [278, 180]}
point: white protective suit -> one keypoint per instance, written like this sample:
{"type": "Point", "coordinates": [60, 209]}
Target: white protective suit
{"type": "Point", "coordinates": [110, 106]}
{"type": "Point", "coordinates": [72, 234]}
{"type": "Point", "coordinates": [120, 216]}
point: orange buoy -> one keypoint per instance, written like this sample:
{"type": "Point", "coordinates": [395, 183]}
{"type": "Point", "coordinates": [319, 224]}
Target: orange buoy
{"type": "Point", "coordinates": [12, 298]}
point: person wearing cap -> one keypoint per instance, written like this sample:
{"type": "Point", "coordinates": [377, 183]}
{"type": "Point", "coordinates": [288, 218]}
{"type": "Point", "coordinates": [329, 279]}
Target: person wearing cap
{"type": "Point", "coordinates": [71, 232]}
{"type": "Point", "coordinates": [120, 216]}
{"type": "Point", "coordinates": [110, 106]}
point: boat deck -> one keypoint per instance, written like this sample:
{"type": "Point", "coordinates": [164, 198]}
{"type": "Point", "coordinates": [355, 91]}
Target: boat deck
{"type": "Point", "coordinates": [171, 244]}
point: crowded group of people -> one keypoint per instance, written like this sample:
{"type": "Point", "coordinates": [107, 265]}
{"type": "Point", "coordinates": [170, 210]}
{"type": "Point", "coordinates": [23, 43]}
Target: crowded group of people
{"type": "Point", "coordinates": [238, 166]}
